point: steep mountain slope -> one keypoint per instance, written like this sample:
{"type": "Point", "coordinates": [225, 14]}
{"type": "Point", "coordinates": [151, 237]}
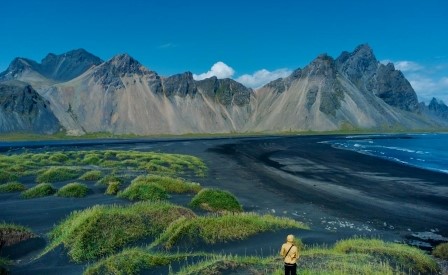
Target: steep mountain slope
{"type": "Point", "coordinates": [122, 96]}
{"type": "Point", "coordinates": [52, 69]}
{"type": "Point", "coordinates": [353, 91]}
{"type": "Point", "coordinates": [22, 109]}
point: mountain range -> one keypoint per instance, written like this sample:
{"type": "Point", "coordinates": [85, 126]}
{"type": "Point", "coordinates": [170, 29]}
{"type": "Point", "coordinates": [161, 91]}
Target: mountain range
{"type": "Point", "coordinates": [79, 93]}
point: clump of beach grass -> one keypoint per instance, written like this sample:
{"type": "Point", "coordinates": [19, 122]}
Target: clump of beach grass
{"type": "Point", "coordinates": [56, 174]}
{"type": "Point", "coordinates": [40, 190]}
{"type": "Point", "coordinates": [216, 200]}
{"type": "Point", "coordinates": [441, 251]}
{"type": "Point", "coordinates": [110, 178]}
{"type": "Point", "coordinates": [171, 185]}
{"type": "Point", "coordinates": [102, 230]}
{"type": "Point", "coordinates": [92, 175]}
{"type": "Point", "coordinates": [12, 187]}
{"type": "Point", "coordinates": [73, 190]}
{"type": "Point", "coordinates": [113, 188]}
{"type": "Point", "coordinates": [6, 176]}
{"type": "Point", "coordinates": [218, 229]}
{"type": "Point", "coordinates": [11, 233]}
{"type": "Point", "coordinates": [397, 254]}
{"type": "Point", "coordinates": [142, 190]}
{"type": "Point", "coordinates": [132, 261]}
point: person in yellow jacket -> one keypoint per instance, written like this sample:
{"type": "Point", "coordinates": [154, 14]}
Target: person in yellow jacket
{"type": "Point", "coordinates": [290, 255]}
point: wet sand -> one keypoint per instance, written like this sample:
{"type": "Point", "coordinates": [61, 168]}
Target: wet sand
{"type": "Point", "coordinates": [338, 193]}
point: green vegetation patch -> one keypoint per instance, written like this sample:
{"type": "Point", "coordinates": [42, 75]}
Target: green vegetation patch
{"type": "Point", "coordinates": [40, 190]}
{"type": "Point", "coordinates": [12, 187]}
{"type": "Point", "coordinates": [93, 175]}
{"type": "Point", "coordinates": [113, 188]}
{"type": "Point", "coordinates": [6, 176]}
{"type": "Point", "coordinates": [58, 157]}
{"type": "Point", "coordinates": [216, 200]}
{"type": "Point", "coordinates": [55, 174]}
{"type": "Point", "coordinates": [171, 185]}
{"type": "Point", "coordinates": [106, 180]}
{"type": "Point", "coordinates": [397, 254]}
{"type": "Point", "coordinates": [11, 234]}
{"type": "Point", "coordinates": [73, 190]}
{"type": "Point", "coordinates": [441, 251]}
{"type": "Point", "coordinates": [143, 190]}
{"type": "Point", "coordinates": [102, 230]}
{"type": "Point", "coordinates": [211, 230]}
{"type": "Point", "coordinates": [132, 261]}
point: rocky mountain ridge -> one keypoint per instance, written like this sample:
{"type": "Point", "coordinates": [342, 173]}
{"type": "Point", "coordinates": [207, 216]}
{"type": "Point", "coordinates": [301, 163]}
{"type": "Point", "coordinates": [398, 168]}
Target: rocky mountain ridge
{"type": "Point", "coordinates": [353, 91]}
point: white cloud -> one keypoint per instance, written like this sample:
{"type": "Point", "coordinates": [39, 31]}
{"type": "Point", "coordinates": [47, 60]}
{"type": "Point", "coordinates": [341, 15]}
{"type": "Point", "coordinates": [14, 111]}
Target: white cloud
{"type": "Point", "coordinates": [219, 69]}
{"type": "Point", "coordinates": [262, 77]}
{"type": "Point", "coordinates": [404, 65]}
{"type": "Point", "coordinates": [426, 80]}
{"type": "Point", "coordinates": [428, 87]}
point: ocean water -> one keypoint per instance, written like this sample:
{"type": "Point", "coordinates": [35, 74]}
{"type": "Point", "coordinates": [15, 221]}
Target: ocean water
{"type": "Point", "coordinates": [427, 151]}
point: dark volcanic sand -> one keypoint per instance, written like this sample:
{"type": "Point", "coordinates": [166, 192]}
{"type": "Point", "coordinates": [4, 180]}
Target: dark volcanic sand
{"type": "Point", "coordinates": [338, 193]}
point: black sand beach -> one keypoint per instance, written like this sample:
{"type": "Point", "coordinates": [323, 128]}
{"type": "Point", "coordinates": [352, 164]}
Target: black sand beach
{"type": "Point", "coordinates": [338, 193]}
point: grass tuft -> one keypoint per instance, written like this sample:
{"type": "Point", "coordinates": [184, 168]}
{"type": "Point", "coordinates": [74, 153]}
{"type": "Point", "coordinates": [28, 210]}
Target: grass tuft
{"type": "Point", "coordinates": [102, 230]}
{"type": "Point", "coordinates": [132, 261]}
{"type": "Point", "coordinates": [106, 180]}
{"type": "Point", "coordinates": [40, 190]}
{"type": "Point", "coordinates": [11, 234]}
{"type": "Point", "coordinates": [441, 251]}
{"type": "Point", "coordinates": [216, 200]}
{"type": "Point", "coordinates": [211, 230]}
{"type": "Point", "coordinates": [113, 188]}
{"type": "Point", "coordinates": [171, 185]}
{"type": "Point", "coordinates": [7, 176]}
{"type": "Point", "coordinates": [55, 174]}
{"type": "Point", "coordinates": [73, 190]}
{"type": "Point", "coordinates": [93, 175]}
{"type": "Point", "coordinates": [143, 190]}
{"type": "Point", "coordinates": [12, 187]}
{"type": "Point", "coordinates": [397, 254]}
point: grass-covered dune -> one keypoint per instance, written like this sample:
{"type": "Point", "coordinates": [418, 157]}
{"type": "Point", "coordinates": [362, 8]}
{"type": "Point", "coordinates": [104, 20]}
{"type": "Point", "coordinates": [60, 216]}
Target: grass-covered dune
{"type": "Point", "coordinates": [11, 187]}
{"type": "Point", "coordinates": [369, 256]}
{"type": "Point", "coordinates": [216, 200]}
{"type": "Point", "coordinates": [66, 165]}
{"type": "Point", "coordinates": [219, 229]}
{"type": "Point", "coordinates": [102, 230]}
{"type": "Point", "coordinates": [155, 187]}
{"type": "Point", "coordinates": [40, 190]}
{"type": "Point", "coordinates": [11, 234]}
{"type": "Point", "coordinates": [73, 190]}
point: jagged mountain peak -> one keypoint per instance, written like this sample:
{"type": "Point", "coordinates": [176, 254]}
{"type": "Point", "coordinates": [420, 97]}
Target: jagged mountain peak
{"type": "Point", "coordinates": [322, 65]}
{"type": "Point", "coordinates": [126, 64]}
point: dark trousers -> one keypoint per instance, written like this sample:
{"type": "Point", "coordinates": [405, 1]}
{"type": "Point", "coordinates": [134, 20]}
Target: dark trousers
{"type": "Point", "coordinates": [290, 269]}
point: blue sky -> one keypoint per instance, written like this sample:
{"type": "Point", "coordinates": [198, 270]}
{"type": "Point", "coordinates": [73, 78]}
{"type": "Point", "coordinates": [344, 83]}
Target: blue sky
{"type": "Point", "coordinates": [251, 41]}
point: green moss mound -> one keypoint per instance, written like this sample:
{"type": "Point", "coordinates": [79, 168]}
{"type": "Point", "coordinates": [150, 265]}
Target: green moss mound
{"type": "Point", "coordinates": [6, 176]}
{"type": "Point", "coordinates": [55, 174]}
{"type": "Point", "coordinates": [216, 200]}
{"type": "Point", "coordinates": [73, 190]}
{"type": "Point", "coordinates": [102, 230]}
{"type": "Point", "coordinates": [171, 185]}
{"type": "Point", "coordinates": [211, 230]}
{"type": "Point", "coordinates": [40, 190]}
{"type": "Point", "coordinates": [131, 261]}
{"type": "Point", "coordinates": [397, 254]}
{"type": "Point", "coordinates": [144, 191]}
{"type": "Point", "coordinates": [93, 175]}
{"type": "Point", "coordinates": [12, 187]}
{"type": "Point", "coordinates": [113, 188]}
{"type": "Point", "coordinates": [441, 251]}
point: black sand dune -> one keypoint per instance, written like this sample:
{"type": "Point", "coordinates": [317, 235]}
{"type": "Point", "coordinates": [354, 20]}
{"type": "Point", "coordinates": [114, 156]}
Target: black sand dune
{"type": "Point", "coordinates": [338, 193]}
